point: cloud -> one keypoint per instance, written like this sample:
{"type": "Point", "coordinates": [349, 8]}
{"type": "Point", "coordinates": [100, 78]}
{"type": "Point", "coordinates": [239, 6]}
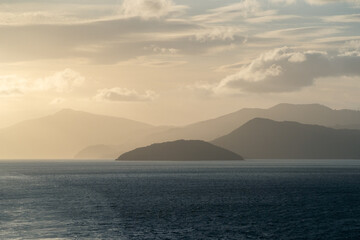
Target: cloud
{"type": "Point", "coordinates": [113, 40]}
{"type": "Point", "coordinates": [286, 69]}
{"type": "Point", "coordinates": [300, 32]}
{"type": "Point", "coordinates": [217, 33]}
{"type": "Point", "coordinates": [149, 8]}
{"type": "Point", "coordinates": [230, 67]}
{"type": "Point", "coordinates": [321, 2]}
{"type": "Point", "coordinates": [110, 39]}
{"type": "Point", "coordinates": [48, 12]}
{"type": "Point", "coordinates": [11, 85]}
{"type": "Point", "coordinates": [336, 40]}
{"type": "Point", "coordinates": [316, 2]}
{"type": "Point", "coordinates": [124, 95]}
{"type": "Point", "coordinates": [250, 11]}
{"type": "Point", "coordinates": [164, 58]}
{"type": "Point", "coordinates": [271, 18]}
{"type": "Point", "coordinates": [244, 9]}
{"type": "Point", "coordinates": [160, 50]}
{"type": "Point", "coordinates": [107, 41]}
{"type": "Point", "coordinates": [63, 81]}
{"type": "Point", "coordinates": [22, 18]}
{"type": "Point", "coordinates": [351, 48]}
{"type": "Point", "coordinates": [343, 18]}
{"type": "Point", "coordinates": [288, 2]}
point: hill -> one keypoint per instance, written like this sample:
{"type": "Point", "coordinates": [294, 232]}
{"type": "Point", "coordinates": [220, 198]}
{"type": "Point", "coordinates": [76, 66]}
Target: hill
{"type": "Point", "coordinates": [268, 139]}
{"type": "Point", "coordinates": [214, 128]}
{"type": "Point", "coordinates": [181, 150]}
{"type": "Point", "coordinates": [63, 134]}
{"type": "Point", "coordinates": [302, 113]}
{"type": "Point", "coordinates": [70, 133]}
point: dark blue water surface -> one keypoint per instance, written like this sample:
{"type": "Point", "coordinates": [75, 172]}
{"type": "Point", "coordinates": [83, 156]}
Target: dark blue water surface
{"type": "Point", "coordinates": [180, 200]}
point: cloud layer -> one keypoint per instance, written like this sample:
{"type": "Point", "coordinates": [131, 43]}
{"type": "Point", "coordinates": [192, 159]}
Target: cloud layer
{"type": "Point", "coordinates": [149, 8]}
{"type": "Point", "coordinates": [61, 82]}
{"type": "Point", "coordinates": [320, 2]}
{"type": "Point", "coordinates": [124, 95]}
{"type": "Point", "coordinates": [286, 69]}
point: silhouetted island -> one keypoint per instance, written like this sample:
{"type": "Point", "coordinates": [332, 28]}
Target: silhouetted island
{"type": "Point", "coordinates": [180, 150]}
{"type": "Point", "coordinates": [267, 139]}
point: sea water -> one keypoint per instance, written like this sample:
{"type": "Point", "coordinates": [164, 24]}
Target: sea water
{"type": "Point", "coordinates": [257, 199]}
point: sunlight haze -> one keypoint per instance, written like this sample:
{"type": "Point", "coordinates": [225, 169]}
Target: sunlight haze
{"type": "Point", "coordinates": [168, 62]}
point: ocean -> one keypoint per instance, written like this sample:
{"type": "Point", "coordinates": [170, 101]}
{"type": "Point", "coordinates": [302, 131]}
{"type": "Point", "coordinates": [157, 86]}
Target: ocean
{"type": "Point", "coordinates": [255, 199]}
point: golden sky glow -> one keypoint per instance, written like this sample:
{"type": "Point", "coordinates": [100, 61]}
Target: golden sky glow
{"type": "Point", "coordinates": [175, 62]}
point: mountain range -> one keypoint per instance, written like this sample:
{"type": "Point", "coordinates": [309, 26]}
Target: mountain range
{"type": "Point", "coordinates": [214, 128]}
{"type": "Point", "coordinates": [302, 113]}
{"type": "Point", "coordinates": [68, 134]}
{"type": "Point", "coordinates": [63, 134]}
{"type": "Point", "coordinates": [268, 139]}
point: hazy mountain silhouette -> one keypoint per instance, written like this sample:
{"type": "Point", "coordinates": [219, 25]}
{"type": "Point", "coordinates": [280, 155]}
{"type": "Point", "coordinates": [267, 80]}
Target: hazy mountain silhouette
{"type": "Point", "coordinates": [64, 134]}
{"type": "Point", "coordinates": [302, 113]}
{"type": "Point", "coordinates": [181, 150]}
{"type": "Point", "coordinates": [217, 127]}
{"type": "Point", "coordinates": [100, 151]}
{"type": "Point", "coordinates": [268, 139]}
{"type": "Point", "coordinates": [70, 133]}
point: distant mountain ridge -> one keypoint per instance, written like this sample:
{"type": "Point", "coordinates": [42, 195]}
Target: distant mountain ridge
{"type": "Point", "coordinates": [302, 113]}
{"type": "Point", "coordinates": [213, 128]}
{"type": "Point", "coordinates": [180, 150]}
{"type": "Point", "coordinates": [69, 133]}
{"type": "Point", "coordinates": [63, 134]}
{"type": "Point", "coordinates": [268, 139]}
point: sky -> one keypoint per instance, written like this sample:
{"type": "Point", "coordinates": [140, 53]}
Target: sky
{"type": "Point", "coordinates": [173, 62]}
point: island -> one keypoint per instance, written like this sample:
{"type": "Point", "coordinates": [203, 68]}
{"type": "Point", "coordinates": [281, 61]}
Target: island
{"type": "Point", "coordinates": [180, 150]}
{"type": "Point", "coordinates": [268, 139]}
